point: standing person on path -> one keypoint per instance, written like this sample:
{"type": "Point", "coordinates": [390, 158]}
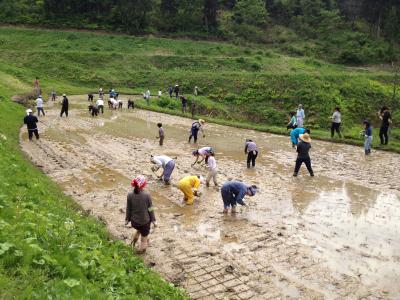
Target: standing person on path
{"type": "Point", "coordinates": [295, 134]}
{"type": "Point", "coordinates": [189, 186]}
{"type": "Point", "coordinates": [233, 192]}
{"type": "Point", "coordinates": [194, 130]}
{"type": "Point", "coordinates": [39, 105]}
{"type": "Point", "coordinates": [176, 90]}
{"type": "Point", "coordinates": [30, 120]}
{"type": "Point", "coordinates": [367, 137]}
{"type": "Point", "coordinates": [212, 170]}
{"type": "Point", "coordinates": [336, 122]}
{"type": "Point", "coordinates": [204, 152]}
{"type": "Point", "coordinates": [292, 122]}
{"type": "Point", "coordinates": [140, 212]}
{"type": "Point", "coordinates": [386, 117]}
{"type": "Point", "coordinates": [161, 133]}
{"type": "Point", "coordinates": [165, 162]}
{"type": "Point", "coordinates": [251, 150]}
{"type": "Point", "coordinates": [170, 91]}
{"type": "Point", "coordinates": [184, 104]}
{"type": "Point", "coordinates": [303, 155]}
{"type": "Point", "coordinates": [300, 116]}
{"type": "Point", "coordinates": [64, 106]}
{"type": "Point", "coordinates": [53, 95]}
{"type": "Point", "coordinates": [100, 105]}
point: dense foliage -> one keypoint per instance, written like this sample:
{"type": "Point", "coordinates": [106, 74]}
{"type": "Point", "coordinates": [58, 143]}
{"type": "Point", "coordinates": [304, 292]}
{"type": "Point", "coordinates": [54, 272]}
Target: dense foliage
{"type": "Point", "coordinates": [346, 31]}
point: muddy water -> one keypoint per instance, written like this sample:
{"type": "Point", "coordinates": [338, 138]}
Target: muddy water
{"type": "Point", "coordinates": [331, 236]}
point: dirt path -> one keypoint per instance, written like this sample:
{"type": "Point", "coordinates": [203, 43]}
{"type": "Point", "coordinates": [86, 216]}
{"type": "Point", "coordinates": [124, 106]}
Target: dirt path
{"type": "Point", "coordinates": [332, 236]}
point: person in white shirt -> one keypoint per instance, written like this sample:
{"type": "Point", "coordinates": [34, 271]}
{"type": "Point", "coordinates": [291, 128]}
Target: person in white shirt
{"type": "Point", "coordinates": [300, 116]}
{"type": "Point", "coordinates": [39, 105]}
{"type": "Point", "coordinates": [165, 162]}
{"type": "Point", "coordinates": [147, 97]}
{"type": "Point", "coordinates": [336, 122]}
{"type": "Point", "coordinates": [159, 94]}
{"type": "Point", "coordinates": [100, 105]}
{"type": "Point", "coordinates": [212, 170]}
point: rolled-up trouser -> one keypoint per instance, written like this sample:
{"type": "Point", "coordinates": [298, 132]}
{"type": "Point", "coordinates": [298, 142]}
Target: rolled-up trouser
{"type": "Point", "coordinates": [368, 144]}
{"type": "Point", "coordinates": [187, 190]}
{"type": "Point", "coordinates": [169, 167]}
{"type": "Point", "coordinates": [212, 174]}
{"type": "Point", "coordinates": [228, 198]}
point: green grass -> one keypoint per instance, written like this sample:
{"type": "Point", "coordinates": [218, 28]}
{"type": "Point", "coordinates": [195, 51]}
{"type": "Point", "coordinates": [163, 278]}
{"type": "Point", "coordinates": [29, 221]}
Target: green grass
{"type": "Point", "coordinates": [49, 248]}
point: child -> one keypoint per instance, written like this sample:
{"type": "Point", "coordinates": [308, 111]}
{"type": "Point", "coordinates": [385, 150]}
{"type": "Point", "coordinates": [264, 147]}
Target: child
{"type": "Point", "coordinates": [303, 156]}
{"type": "Point", "coordinates": [140, 212]}
{"type": "Point", "coordinates": [189, 186]}
{"type": "Point", "coordinates": [368, 137]}
{"type": "Point", "coordinates": [160, 133]}
{"type": "Point", "coordinates": [212, 173]}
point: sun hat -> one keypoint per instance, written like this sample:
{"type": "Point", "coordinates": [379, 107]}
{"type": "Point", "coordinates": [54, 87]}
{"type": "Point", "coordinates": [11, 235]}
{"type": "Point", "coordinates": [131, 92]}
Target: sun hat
{"type": "Point", "coordinates": [64, 95]}
{"type": "Point", "coordinates": [253, 189]}
{"type": "Point", "coordinates": [28, 111]}
{"type": "Point", "coordinates": [201, 121]}
{"type": "Point", "coordinates": [40, 96]}
{"type": "Point", "coordinates": [139, 182]}
{"type": "Point", "coordinates": [305, 138]}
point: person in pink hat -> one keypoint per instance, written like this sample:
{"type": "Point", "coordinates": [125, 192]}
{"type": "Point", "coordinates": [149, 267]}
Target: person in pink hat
{"type": "Point", "coordinates": [140, 212]}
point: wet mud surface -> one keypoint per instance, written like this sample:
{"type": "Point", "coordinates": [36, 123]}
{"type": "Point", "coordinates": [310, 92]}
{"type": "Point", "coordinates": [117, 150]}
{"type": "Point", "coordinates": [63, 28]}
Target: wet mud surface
{"type": "Point", "coordinates": [332, 236]}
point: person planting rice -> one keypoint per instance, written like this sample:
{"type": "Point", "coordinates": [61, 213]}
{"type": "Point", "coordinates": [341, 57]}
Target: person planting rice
{"type": "Point", "coordinates": [194, 130]}
{"type": "Point", "coordinates": [212, 170]}
{"type": "Point", "coordinates": [131, 104]}
{"type": "Point", "coordinates": [233, 192]}
{"type": "Point", "coordinates": [140, 212]}
{"type": "Point", "coordinates": [204, 152]}
{"type": "Point", "coordinates": [93, 110]}
{"type": "Point", "coordinates": [161, 133]}
{"type": "Point", "coordinates": [100, 105]}
{"type": "Point", "coordinates": [166, 163]}
{"type": "Point", "coordinates": [303, 155]}
{"type": "Point", "coordinates": [189, 186]}
{"type": "Point", "coordinates": [295, 134]}
{"type": "Point", "coordinates": [30, 120]}
{"type": "Point", "coordinates": [251, 150]}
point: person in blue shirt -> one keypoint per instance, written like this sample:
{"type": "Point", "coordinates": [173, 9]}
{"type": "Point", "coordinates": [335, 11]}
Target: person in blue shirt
{"type": "Point", "coordinates": [295, 133]}
{"type": "Point", "coordinates": [233, 192]}
{"type": "Point", "coordinates": [368, 137]}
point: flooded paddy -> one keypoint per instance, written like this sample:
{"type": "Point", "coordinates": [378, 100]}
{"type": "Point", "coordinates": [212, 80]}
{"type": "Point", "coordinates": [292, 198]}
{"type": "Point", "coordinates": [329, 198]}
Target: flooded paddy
{"type": "Point", "coordinates": [332, 236]}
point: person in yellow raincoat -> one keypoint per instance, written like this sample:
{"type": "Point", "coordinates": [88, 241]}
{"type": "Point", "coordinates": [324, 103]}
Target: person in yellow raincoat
{"type": "Point", "coordinates": [189, 186]}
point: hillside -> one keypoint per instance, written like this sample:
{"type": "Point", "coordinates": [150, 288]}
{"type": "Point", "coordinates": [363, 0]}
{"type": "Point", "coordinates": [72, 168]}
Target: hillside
{"type": "Point", "coordinates": [254, 84]}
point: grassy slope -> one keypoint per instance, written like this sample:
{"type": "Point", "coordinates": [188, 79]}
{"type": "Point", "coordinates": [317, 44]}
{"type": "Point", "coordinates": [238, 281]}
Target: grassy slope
{"type": "Point", "coordinates": [48, 247]}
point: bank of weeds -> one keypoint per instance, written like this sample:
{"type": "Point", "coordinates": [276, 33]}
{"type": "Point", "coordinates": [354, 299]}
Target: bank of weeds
{"type": "Point", "coordinates": [49, 248]}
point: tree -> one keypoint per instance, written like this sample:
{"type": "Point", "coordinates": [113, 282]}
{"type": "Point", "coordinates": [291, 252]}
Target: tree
{"type": "Point", "coordinates": [131, 15]}
{"type": "Point", "coordinates": [250, 12]}
{"type": "Point", "coordinates": [210, 14]}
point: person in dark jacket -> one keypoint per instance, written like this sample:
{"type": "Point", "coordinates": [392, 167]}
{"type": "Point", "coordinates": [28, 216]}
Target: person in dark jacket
{"type": "Point", "coordinates": [194, 130]}
{"type": "Point", "coordinates": [233, 192]}
{"type": "Point", "coordinates": [251, 150]}
{"type": "Point", "coordinates": [170, 91]}
{"type": "Point", "coordinates": [30, 120]}
{"type": "Point", "coordinates": [303, 156]}
{"type": "Point", "coordinates": [176, 90]}
{"type": "Point", "coordinates": [64, 106]}
{"type": "Point", "coordinates": [386, 117]}
{"type": "Point", "coordinates": [140, 212]}
{"type": "Point", "coordinates": [184, 104]}
{"type": "Point", "coordinates": [131, 104]}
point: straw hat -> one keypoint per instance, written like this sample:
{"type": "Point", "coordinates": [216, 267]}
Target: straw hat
{"type": "Point", "coordinates": [201, 121]}
{"type": "Point", "coordinates": [305, 138]}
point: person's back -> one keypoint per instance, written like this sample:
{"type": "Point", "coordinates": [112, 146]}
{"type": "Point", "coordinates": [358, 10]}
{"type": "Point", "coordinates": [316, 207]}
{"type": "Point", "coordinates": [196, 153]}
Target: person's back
{"type": "Point", "coordinates": [235, 187]}
{"type": "Point", "coordinates": [65, 102]}
{"type": "Point", "coordinates": [162, 159]}
{"type": "Point", "coordinates": [39, 102]}
{"type": "Point", "coordinates": [303, 149]}
{"type": "Point", "coordinates": [30, 122]}
{"type": "Point", "coordinates": [385, 119]}
{"type": "Point", "coordinates": [138, 205]}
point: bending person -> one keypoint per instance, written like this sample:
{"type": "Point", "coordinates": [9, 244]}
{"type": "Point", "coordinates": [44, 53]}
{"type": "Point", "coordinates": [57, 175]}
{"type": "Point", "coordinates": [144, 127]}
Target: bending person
{"type": "Point", "coordinates": [166, 163]}
{"type": "Point", "coordinates": [189, 186]}
{"type": "Point", "coordinates": [204, 153]}
{"type": "Point", "coordinates": [194, 130]}
{"type": "Point", "coordinates": [233, 192]}
{"type": "Point", "coordinates": [295, 134]}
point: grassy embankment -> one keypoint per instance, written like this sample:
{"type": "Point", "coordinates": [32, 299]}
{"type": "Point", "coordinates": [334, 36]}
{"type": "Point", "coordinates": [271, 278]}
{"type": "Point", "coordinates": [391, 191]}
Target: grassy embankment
{"type": "Point", "coordinates": [48, 247]}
